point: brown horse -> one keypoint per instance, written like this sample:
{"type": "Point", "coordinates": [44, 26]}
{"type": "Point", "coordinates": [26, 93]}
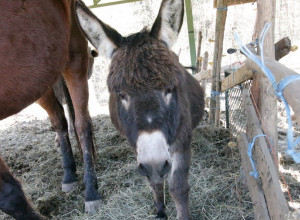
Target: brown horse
{"type": "Point", "coordinates": [154, 101]}
{"type": "Point", "coordinates": [38, 42]}
{"type": "Point", "coordinates": [63, 96]}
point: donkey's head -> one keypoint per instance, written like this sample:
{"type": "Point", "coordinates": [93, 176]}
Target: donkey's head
{"type": "Point", "coordinates": [144, 80]}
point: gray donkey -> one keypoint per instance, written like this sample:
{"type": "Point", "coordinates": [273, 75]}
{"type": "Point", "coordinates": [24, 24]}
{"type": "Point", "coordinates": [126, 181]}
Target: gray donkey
{"type": "Point", "coordinates": [154, 101]}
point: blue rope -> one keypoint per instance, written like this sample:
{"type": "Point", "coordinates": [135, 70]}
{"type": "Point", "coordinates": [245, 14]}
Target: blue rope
{"type": "Point", "coordinates": [278, 88]}
{"type": "Point", "coordinates": [213, 95]}
{"type": "Point", "coordinates": [290, 135]}
{"type": "Point", "coordinates": [223, 8]}
{"type": "Point", "coordinates": [254, 43]}
{"type": "Point", "coordinates": [254, 173]}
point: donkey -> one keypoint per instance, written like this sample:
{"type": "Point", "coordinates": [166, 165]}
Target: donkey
{"type": "Point", "coordinates": [40, 40]}
{"type": "Point", "coordinates": [154, 101]}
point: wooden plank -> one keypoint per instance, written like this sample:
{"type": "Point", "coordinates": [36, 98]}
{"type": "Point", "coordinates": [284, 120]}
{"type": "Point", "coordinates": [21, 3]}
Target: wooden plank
{"type": "Point", "coordinates": [214, 113]}
{"type": "Point", "coordinates": [255, 188]}
{"type": "Point", "coordinates": [199, 59]}
{"type": "Point", "coordinates": [234, 2]}
{"type": "Point", "coordinates": [205, 64]}
{"type": "Point", "coordinates": [203, 74]}
{"type": "Point", "coordinates": [291, 92]}
{"type": "Point", "coordinates": [282, 48]}
{"type": "Point", "coordinates": [236, 78]}
{"type": "Point", "coordinates": [277, 205]}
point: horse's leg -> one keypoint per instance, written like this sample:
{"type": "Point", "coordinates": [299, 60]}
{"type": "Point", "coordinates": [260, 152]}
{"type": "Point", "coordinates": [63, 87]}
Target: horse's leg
{"type": "Point", "coordinates": [56, 114]}
{"type": "Point", "coordinates": [12, 198]}
{"type": "Point", "coordinates": [158, 194]}
{"type": "Point", "coordinates": [178, 184]}
{"type": "Point", "coordinates": [76, 78]}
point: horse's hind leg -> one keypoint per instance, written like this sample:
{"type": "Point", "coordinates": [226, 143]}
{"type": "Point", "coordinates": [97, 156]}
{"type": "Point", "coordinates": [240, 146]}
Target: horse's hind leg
{"type": "Point", "coordinates": [12, 199]}
{"type": "Point", "coordinates": [56, 114]}
{"type": "Point", "coordinates": [76, 78]}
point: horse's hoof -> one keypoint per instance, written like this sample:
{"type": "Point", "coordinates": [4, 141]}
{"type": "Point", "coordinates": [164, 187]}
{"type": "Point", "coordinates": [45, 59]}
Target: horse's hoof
{"type": "Point", "coordinates": [92, 206]}
{"type": "Point", "coordinates": [57, 146]}
{"type": "Point", "coordinates": [58, 149]}
{"type": "Point", "coordinates": [68, 187]}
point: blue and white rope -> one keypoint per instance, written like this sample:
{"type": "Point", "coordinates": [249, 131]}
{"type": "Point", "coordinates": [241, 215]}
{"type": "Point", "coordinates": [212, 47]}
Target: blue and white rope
{"type": "Point", "coordinates": [278, 89]}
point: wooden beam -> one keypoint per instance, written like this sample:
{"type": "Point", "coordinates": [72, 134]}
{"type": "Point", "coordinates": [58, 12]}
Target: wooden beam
{"type": "Point", "coordinates": [291, 92]}
{"type": "Point", "coordinates": [255, 188]}
{"type": "Point", "coordinates": [205, 64]}
{"type": "Point", "coordinates": [214, 116]}
{"type": "Point", "coordinates": [266, 101]}
{"type": "Point", "coordinates": [282, 48]}
{"type": "Point", "coordinates": [199, 60]}
{"type": "Point", "coordinates": [236, 78]}
{"type": "Point", "coordinates": [277, 205]}
{"type": "Point", "coordinates": [234, 2]}
{"type": "Point", "coordinates": [203, 74]}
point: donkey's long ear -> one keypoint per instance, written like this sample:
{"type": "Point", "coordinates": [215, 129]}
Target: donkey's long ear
{"type": "Point", "coordinates": [168, 22]}
{"type": "Point", "coordinates": [102, 36]}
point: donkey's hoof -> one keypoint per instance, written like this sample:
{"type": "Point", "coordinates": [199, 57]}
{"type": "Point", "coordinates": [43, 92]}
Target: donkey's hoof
{"type": "Point", "coordinates": [68, 187]}
{"type": "Point", "coordinates": [92, 206]}
{"type": "Point", "coordinates": [161, 216]}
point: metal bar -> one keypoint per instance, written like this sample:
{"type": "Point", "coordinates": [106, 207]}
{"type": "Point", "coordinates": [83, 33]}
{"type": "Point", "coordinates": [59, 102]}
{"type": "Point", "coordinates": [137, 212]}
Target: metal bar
{"type": "Point", "coordinates": [96, 1]}
{"type": "Point", "coordinates": [190, 24]}
{"type": "Point", "coordinates": [112, 3]}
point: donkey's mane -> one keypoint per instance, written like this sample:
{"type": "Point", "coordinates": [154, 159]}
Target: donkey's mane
{"type": "Point", "coordinates": [142, 62]}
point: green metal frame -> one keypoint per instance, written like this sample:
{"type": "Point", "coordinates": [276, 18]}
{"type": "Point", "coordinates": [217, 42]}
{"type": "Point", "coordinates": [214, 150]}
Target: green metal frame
{"type": "Point", "coordinates": [190, 24]}
{"type": "Point", "coordinates": [97, 5]}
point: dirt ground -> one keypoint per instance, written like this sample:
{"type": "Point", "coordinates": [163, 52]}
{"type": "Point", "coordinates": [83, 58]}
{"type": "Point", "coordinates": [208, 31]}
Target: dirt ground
{"type": "Point", "coordinates": [27, 146]}
{"type": "Point", "coordinates": [218, 189]}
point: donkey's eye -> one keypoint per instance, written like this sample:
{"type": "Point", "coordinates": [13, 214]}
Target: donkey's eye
{"type": "Point", "coordinates": [167, 95]}
{"type": "Point", "coordinates": [122, 95]}
{"type": "Point", "coordinates": [169, 90]}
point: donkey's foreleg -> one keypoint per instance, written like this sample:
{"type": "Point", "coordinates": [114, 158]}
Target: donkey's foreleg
{"type": "Point", "coordinates": [178, 185]}
{"type": "Point", "coordinates": [56, 114]}
{"type": "Point", "coordinates": [76, 78]}
{"type": "Point", "coordinates": [158, 195]}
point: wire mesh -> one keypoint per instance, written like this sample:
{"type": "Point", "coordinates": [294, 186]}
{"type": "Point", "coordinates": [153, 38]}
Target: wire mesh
{"type": "Point", "coordinates": [236, 116]}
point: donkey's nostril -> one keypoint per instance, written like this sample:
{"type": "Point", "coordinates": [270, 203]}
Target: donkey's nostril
{"type": "Point", "coordinates": [165, 168]}
{"type": "Point", "coordinates": [145, 169]}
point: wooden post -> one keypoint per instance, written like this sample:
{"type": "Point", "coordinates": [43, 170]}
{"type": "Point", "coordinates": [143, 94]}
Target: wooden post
{"type": "Point", "coordinates": [266, 101]}
{"type": "Point", "coordinates": [199, 60]}
{"type": "Point", "coordinates": [214, 116]}
{"type": "Point", "coordinates": [255, 188]}
{"type": "Point", "coordinates": [282, 48]}
{"type": "Point", "coordinates": [277, 205]}
{"type": "Point", "coordinates": [205, 64]}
